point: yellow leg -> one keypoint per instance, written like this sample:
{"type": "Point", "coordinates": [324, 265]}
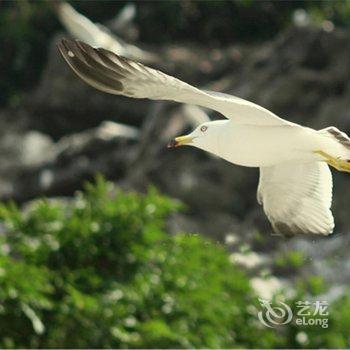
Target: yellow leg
{"type": "Point", "coordinates": [337, 163]}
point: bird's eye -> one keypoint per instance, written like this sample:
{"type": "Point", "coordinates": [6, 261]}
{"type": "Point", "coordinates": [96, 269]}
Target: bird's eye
{"type": "Point", "coordinates": [204, 128]}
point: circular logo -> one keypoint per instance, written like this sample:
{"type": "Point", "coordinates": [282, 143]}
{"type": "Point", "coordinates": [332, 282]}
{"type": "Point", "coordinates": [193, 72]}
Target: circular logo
{"type": "Point", "coordinates": [273, 315]}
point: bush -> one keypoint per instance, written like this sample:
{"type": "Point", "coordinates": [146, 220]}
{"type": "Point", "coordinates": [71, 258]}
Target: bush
{"type": "Point", "coordinates": [335, 335]}
{"type": "Point", "coordinates": [100, 271]}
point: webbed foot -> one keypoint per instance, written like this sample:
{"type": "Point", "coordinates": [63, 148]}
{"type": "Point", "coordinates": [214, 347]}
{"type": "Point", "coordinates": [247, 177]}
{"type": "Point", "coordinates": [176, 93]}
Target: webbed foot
{"type": "Point", "coordinates": [337, 163]}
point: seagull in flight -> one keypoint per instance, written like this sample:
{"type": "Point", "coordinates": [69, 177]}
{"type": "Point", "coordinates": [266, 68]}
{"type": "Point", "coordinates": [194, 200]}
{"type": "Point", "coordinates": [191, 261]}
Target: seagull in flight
{"type": "Point", "coordinates": [295, 184]}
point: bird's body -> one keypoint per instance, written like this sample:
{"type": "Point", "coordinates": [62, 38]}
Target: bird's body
{"type": "Point", "coordinates": [255, 145]}
{"type": "Point", "coordinates": [264, 145]}
{"type": "Point", "coordinates": [295, 186]}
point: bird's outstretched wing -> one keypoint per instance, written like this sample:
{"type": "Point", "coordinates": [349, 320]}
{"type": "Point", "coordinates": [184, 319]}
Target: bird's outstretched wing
{"type": "Point", "coordinates": [115, 74]}
{"type": "Point", "coordinates": [297, 197]}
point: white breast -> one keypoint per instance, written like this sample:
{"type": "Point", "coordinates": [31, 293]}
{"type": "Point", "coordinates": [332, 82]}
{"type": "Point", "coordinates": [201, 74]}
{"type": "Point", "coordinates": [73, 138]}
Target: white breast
{"type": "Point", "coordinates": [256, 146]}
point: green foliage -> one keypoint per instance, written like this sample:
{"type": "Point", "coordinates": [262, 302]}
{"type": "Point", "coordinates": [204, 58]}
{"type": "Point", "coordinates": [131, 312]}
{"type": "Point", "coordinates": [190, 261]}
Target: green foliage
{"type": "Point", "coordinates": [291, 259]}
{"type": "Point", "coordinates": [334, 334]}
{"type": "Point", "coordinates": [25, 30]}
{"type": "Point", "coordinates": [100, 271]}
{"type": "Point", "coordinates": [102, 268]}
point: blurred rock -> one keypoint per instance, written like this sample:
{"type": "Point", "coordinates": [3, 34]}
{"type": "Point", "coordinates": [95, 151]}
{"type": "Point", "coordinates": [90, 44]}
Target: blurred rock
{"type": "Point", "coordinates": [74, 160]}
{"type": "Point", "coordinates": [36, 148]}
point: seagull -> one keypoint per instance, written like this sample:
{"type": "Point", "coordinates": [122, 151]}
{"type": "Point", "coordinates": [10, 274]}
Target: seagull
{"type": "Point", "coordinates": [295, 183]}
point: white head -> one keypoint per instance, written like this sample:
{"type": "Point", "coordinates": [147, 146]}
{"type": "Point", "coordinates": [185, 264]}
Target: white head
{"type": "Point", "coordinates": [206, 137]}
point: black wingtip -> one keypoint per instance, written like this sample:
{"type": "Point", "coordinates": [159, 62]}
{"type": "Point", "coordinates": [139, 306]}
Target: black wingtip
{"type": "Point", "coordinates": [82, 59]}
{"type": "Point", "coordinates": [64, 41]}
{"type": "Point", "coordinates": [68, 49]}
{"type": "Point", "coordinates": [62, 46]}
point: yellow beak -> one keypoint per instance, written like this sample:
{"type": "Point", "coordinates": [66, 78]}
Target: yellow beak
{"type": "Point", "coordinates": [180, 141]}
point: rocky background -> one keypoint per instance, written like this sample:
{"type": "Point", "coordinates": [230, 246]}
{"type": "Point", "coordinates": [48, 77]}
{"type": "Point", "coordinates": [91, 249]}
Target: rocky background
{"type": "Point", "coordinates": [63, 132]}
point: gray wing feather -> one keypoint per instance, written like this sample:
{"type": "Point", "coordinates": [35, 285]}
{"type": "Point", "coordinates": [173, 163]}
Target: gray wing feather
{"type": "Point", "coordinates": [115, 74]}
{"type": "Point", "coordinates": [297, 197]}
